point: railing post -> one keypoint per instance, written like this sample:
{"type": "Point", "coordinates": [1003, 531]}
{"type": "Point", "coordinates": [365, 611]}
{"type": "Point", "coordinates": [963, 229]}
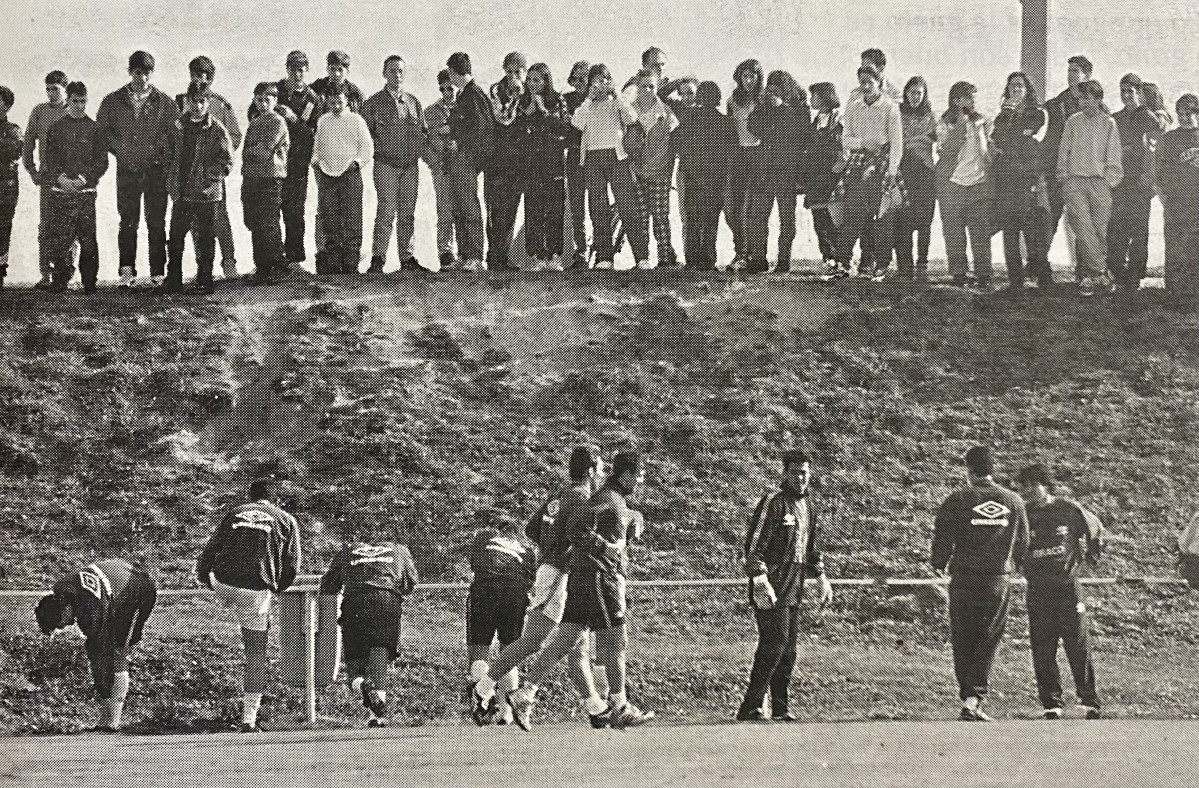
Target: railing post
{"type": "Point", "coordinates": [310, 624]}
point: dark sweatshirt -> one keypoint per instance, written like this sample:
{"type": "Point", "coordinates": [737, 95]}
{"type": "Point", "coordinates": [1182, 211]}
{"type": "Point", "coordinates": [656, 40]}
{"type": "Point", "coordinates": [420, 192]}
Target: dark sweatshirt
{"type": "Point", "coordinates": [361, 568]}
{"type": "Point", "coordinates": [980, 530]}
{"type": "Point", "coordinates": [784, 131]}
{"type": "Point", "coordinates": [74, 147]}
{"type": "Point", "coordinates": [704, 142]}
{"type": "Point", "coordinates": [255, 546]}
{"type": "Point", "coordinates": [1061, 535]}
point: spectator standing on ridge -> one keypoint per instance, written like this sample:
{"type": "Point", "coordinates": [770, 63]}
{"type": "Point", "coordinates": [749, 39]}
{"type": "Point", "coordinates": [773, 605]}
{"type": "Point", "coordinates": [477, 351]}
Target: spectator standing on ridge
{"type": "Point", "coordinates": [746, 178]}
{"type": "Point", "coordinates": [1019, 184]}
{"type": "Point", "coordinates": [546, 129]}
{"type": "Point", "coordinates": [110, 601]}
{"type": "Point", "coordinates": [136, 121]}
{"type": "Point", "coordinates": [1128, 229]}
{"type": "Point", "coordinates": [470, 146]}
{"type": "Point", "coordinates": [375, 577]}
{"type": "Point", "coordinates": [1058, 110]}
{"type": "Point", "coordinates": [40, 120]}
{"type": "Point", "coordinates": [704, 143]}
{"type": "Point", "coordinates": [980, 535]}
{"type": "Point", "coordinates": [1177, 176]}
{"type": "Point", "coordinates": [1088, 168]}
{"type": "Point", "coordinates": [337, 72]}
{"type": "Point", "coordinates": [964, 187]}
{"type": "Point", "coordinates": [653, 164]}
{"type": "Point", "coordinates": [253, 554]}
{"type": "Point", "coordinates": [918, 167]}
{"type": "Point", "coordinates": [202, 72]}
{"type": "Point", "coordinates": [341, 149]}
{"type": "Point", "coordinates": [876, 59]}
{"type": "Point", "coordinates": [74, 158]}
{"type": "Point", "coordinates": [502, 179]}
{"type": "Point", "coordinates": [263, 173]}
{"type": "Point", "coordinates": [11, 146]}
{"type": "Point", "coordinates": [199, 158]}
{"type": "Point", "coordinates": [783, 121]}
{"type": "Point", "coordinates": [781, 551]}
{"type": "Point", "coordinates": [822, 167]}
{"type": "Point", "coordinates": [576, 181]}
{"type": "Point", "coordinates": [396, 122]}
{"type": "Point", "coordinates": [1062, 535]}
{"type": "Point", "coordinates": [437, 118]}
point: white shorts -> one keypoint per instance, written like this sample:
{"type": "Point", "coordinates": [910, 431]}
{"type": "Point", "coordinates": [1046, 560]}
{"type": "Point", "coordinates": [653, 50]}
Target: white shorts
{"type": "Point", "coordinates": [251, 607]}
{"type": "Point", "coordinates": [549, 592]}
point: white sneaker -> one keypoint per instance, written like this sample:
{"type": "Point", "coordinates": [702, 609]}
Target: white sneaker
{"type": "Point", "coordinates": [473, 266]}
{"type": "Point", "coordinates": [229, 269]}
{"type": "Point", "coordinates": [644, 265]}
{"type": "Point", "coordinates": [554, 264]}
{"type": "Point", "coordinates": [1051, 714]}
{"type": "Point", "coordinates": [126, 278]}
{"type": "Point", "coordinates": [603, 265]}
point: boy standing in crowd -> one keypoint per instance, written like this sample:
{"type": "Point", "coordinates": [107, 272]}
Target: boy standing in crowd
{"type": "Point", "coordinates": [337, 71]}
{"type": "Point", "coordinates": [980, 535]}
{"type": "Point", "coordinates": [437, 118]}
{"type": "Point", "coordinates": [780, 553]}
{"type": "Point", "coordinates": [503, 567]}
{"type": "Point", "coordinates": [1062, 535]}
{"type": "Point", "coordinates": [876, 59]}
{"type": "Point", "coordinates": [11, 145]}
{"type": "Point", "coordinates": [376, 577]}
{"type": "Point", "coordinates": [1088, 168]}
{"type": "Point", "coordinates": [502, 178]}
{"type": "Point", "coordinates": [199, 158]}
{"type": "Point", "coordinates": [1128, 230]}
{"type": "Point", "coordinates": [40, 120]}
{"type": "Point", "coordinates": [253, 554]}
{"type": "Point", "coordinates": [471, 145]}
{"type": "Point", "coordinates": [263, 172]}
{"type": "Point", "coordinates": [110, 601]}
{"type": "Point", "coordinates": [74, 159]}
{"type": "Point", "coordinates": [595, 596]}
{"type": "Point", "coordinates": [704, 142]}
{"type": "Point", "coordinates": [397, 125]}
{"type": "Point", "coordinates": [342, 147]}
{"type": "Point", "coordinates": [202, 73]}
{"type": "Point", "coordinates": [1059, 109]}
{"type": "Point", "coordinates": [136, 121]}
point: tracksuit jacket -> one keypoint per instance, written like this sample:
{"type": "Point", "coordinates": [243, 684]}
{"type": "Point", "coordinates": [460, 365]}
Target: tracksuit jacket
{"type": "Point", "coordinates": [781, 544]}
{"type": "Point", "coordinates": [497, 558]}
{"type": "Point", "coordinates": [980, 530]}
{"type": "Point", "coordinates": [255, 546]}
{"type": "Point", "coordinates": [362, 568]}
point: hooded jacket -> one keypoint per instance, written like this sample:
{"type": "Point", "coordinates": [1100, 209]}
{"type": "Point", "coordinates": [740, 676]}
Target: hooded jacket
{"type": "Point", "coordinates": [205, 179]}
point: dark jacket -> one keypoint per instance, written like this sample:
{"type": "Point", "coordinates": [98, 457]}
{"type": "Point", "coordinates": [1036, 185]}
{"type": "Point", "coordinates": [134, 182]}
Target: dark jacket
{"type": "Point", "coordinates": [137, 140]}
{"type": "Point", "coordinates": [1138, 131]}
{"type": "Point", "coordinates": [509, 131]}
{"type": "Point", "coordinates": [268, 143]}
{"type": "Point", "coordinates": [354, 95]}
{"type": "Point", "coordinates": [255, 546]}
{"type": "Point", "coordinates": [399, 136]}
{"type": "Point", "coordinates": [220, 109]}
{"type": "Point", "coordinates": [75, 147]}
{"type": "Point", "coordinates": [548, 527]}
{"type": "Point", "coordinates": [785, 132]}
{"type": "Point", "coordinates": [704, 142]}
{"type": "Point", "coordinates": [213, 161]}
{"type": "Point", "coordinates": [1061, 535]}
{"type": "Point", "coordinates": [781, 544]}
{"type": "Point", "coordinates": [824, 152]}
{"type": "Point", "coordinates": [1059, 109]}
{"type": "Point", "coordinates": [574, 100]}
{"type": "Point", "coordinates": [472, 126]}
{"type": "Point", "coordinates": [980, 530]}
{"type": "Point", "coordinates": [301, 109]}
{"type": "Point", "coordinates": [543, 137]}
{"type": "Point", "coordinates": [497, 558]}
{"type": "Point", "coordinates": [1019, 151]}
{"type": "Point", "coordinates": [11, 147]}
{"type": "Point", "coordinates": [598, 534]}
{"type": "Point", "coordinates": [361, 568]}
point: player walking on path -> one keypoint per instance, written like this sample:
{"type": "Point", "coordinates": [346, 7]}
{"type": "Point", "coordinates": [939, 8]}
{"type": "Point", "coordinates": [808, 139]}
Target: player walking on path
{"type": "Point", "coordinates": [1061, 535]}
{"type": "Point", "coordinates": [595, 596]}
{"type": "Point", "coordinates": [110, 600]}
{"type": "Point", "coordinates": [980, 534]}
{"type": "Point", "coordinates": [780, 553]}
{"type": "Point", "coordinates": [376, 576]}
{"type": "Point", "coordinates": [548, 600]}
{"type": "Point", "coordinates": [253, 554]}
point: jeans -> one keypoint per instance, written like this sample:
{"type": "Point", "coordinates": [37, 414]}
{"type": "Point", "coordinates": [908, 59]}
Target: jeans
{"type": "Point", "coordinates": [294, 197]}
{"type": "Point", "coordinates": [463, 180]}
{"type": "Point", "coordinates": [339, 209]}
{"type": "Point", "coordinates": [967, 209]}
{"type": "Point", "coordinates": [545, 202]}
{"type": "Point", "coordinates": [132, 187]}
{"type": "Point", "coordinates": [1089, 209]}
{"type": "Point", "coordinates": [261, 199]}
{"type": "Point", "coordinates": [501, 192]}
{"type": "Point", "coordinates": [576, 191]}
{"type": "Point", "coordinates": [224, 230]}
{"type": "Point", "coordinates": [443, 196]}
{"type": "Point", "coordinates": [703, 199]}
{"type": "Point", "coordinates": [1128, 232]}
{"type": "Point", "coordinates": [198, 218]}
{"type": "Point", "coordinates": [396, 188]}
{"type": "Point", "coordinates": [746, 197]}
{"type": "Point", "coordinates": [604, 170]}
{"type": "Point", "coordinates": [71, 224]}
{"type": "Point", "coordinates": [783, 191]}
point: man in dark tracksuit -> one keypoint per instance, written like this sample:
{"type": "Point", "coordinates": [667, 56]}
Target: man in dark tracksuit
{"type": "Point", "coordinates": [780, 551]}
{"type": "Point", "coordinates": [1061, 535]}
{"type": "Point", "coordinates": [110, 600]}
{"type": "Point", "coordinates": [376, 578]}
{"type": "Point", "coordinates": [253, 554]}
{"type": "Point", "coordinates": [981, 534]}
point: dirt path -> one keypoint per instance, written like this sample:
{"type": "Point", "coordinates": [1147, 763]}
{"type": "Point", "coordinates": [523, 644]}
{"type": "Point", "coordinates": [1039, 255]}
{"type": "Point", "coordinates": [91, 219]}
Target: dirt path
{"type": "Point", "coordinates": [1122, 753]}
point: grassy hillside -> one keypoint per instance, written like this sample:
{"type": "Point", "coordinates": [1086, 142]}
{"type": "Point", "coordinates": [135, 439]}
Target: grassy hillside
{"type": "Point", "coordinates": [129, 420]}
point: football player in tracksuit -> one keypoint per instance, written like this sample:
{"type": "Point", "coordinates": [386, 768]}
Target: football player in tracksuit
{"type": "Point", "coordinates": [548, 529]}
{"type": "Point", "coordinates": [595, 596]}
{"type": "Point", "coordinates": [253, 554]}
{"type": "Point", "coordinates": [504, 568]}
{"type": "Point", "coordinates": [1062, 534]}
{"type": "Point", "coordinates": [780, 552]}
{"type": "Point", "coordinates": [981, 535]}
{"type": "Point", "coordinates": [110, 600]}
{"type": "Point", "coordinates": [376, 577]}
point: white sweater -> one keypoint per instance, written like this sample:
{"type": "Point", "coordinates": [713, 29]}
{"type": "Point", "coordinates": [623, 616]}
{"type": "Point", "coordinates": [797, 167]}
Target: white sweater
{"type": "Point", "coordinates": [340, 141]}
{"type": "Point", "coordinates": [603, 124]}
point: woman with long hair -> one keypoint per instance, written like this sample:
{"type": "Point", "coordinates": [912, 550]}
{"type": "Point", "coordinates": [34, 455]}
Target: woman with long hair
{"type": "Point", "coordinates": [602, 119]}
{"type": "Point", "coordinates": [576, 182]}
{"type": "Point", "coordinates": [653, 163]}
{"type": "Point", "coordinates": [745, 169]}
{"type": "Point", "coordinates": [542, 118]}
{"type": "Point", "coordinates": [819, 176]}
{"type": "Point", "coordinates": [1017, 179]}
{"type": "Point", "coordinates": [917, 166]}
{"type": "Point", "coordinates": [964, 190]}
{"type": "Point", "coordinates": [783, 122]}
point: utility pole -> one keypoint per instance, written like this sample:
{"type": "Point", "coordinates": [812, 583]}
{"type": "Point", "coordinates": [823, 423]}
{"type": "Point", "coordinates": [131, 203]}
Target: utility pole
{"type": "Point", "coordinates": [1034, 43]}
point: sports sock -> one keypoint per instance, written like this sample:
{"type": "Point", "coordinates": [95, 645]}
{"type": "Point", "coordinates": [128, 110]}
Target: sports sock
{"type": "Point", "coordinates": [595, 705]}
{"type": "Point", "coordinates": [116, 701]}
{"type": "Point", "coordinates": [527, 693]}
{"type": "Point", "coordinates": [617, 699]}
{"type": "Point", "coordinates": [249, 707]}
{"type": "Point", "coordinates": [356, 683]}
{"type": "Point", "coordinates": [508, 682]}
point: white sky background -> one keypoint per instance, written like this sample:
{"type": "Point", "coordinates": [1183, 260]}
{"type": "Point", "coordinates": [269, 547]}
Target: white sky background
{"type": "Point", "coordinates": [945, 40]}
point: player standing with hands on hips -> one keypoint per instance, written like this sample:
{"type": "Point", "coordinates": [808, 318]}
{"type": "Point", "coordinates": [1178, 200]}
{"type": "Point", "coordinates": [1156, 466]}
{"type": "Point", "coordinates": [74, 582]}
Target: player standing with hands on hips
{"type": "Point", "coordinates": [780, 552]}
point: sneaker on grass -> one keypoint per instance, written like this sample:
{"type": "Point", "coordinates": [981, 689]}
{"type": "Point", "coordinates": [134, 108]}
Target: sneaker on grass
{"type": "Point", "coordinates": [1051, 714]}
{"type": "Point", "coordinates": [522, 709]}
{"type": "Point", "coordinates": [629, 716]}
